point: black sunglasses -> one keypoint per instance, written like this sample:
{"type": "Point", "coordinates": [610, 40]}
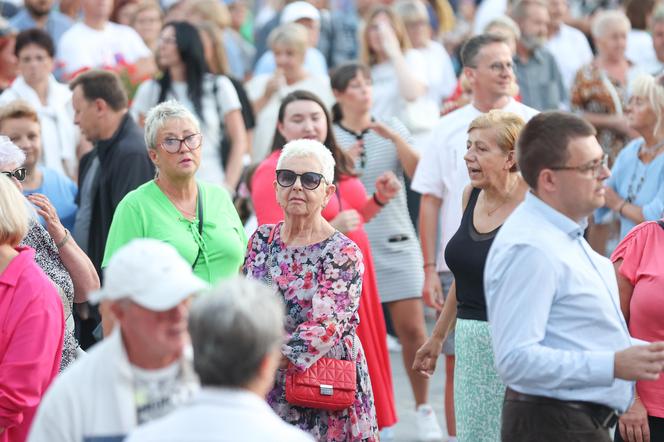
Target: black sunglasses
{"type": "Point", "coordinates": [19, 174]}
{"type": "Point", "coordinates": [309, 180]}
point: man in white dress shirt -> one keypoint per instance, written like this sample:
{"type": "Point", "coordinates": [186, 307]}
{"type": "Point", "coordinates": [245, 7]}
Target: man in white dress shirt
{"type": "Point", "coordinates": [236, 332]}
{"type": "Point", "coordinates": [560, 341]}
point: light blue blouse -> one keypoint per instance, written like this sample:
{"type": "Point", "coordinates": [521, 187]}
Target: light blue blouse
{"type": "Point", "coordinates": [629, 176]}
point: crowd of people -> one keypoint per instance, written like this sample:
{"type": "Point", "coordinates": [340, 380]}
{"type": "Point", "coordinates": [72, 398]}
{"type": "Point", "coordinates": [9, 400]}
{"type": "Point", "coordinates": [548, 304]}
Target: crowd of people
{"type": "Point", "coordinates": [221, 212]}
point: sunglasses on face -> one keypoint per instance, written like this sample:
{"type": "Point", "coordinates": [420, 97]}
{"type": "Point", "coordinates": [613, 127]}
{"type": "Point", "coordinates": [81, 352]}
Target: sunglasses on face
{"type": "Point", "coordinates": [173, 145]}
{"type": "Point", "coordinates": [308, 180]}
{"type": "Point", "coordinates": [19, 174]}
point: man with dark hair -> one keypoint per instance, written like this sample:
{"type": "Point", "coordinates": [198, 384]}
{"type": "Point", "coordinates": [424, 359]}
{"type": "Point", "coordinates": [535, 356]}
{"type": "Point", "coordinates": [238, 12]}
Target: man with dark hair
{"type": "Point", "coordinates": [236, 333]}
{"type": "Point", "coordinates": [41, 14]}
{"type": "Point", "coordinates": [118, 164]}
{"type": "Point", "coordinates": [560, 341]}
{"type": "Point", "coordinates": [441, 173]}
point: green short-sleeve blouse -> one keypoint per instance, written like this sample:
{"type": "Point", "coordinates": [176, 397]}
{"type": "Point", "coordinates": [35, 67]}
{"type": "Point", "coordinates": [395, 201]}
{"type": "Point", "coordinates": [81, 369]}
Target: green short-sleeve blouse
{"type": "Point", "coordinates": [146, 212]}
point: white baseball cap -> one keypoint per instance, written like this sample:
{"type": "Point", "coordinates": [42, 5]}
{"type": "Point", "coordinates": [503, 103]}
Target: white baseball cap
{"type": "Point", "coordinates": [295, 11]}
{"type": "Point", "coordinates": [150, 273]}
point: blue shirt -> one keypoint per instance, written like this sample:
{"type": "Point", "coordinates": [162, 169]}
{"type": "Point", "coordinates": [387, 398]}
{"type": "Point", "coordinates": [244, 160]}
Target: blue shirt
{"type": "Point", "coordinates": [314, 63]}
{"type": "Point", "coordinates": [61, 191]}
{"type": "Point", "coordinates": [554, 310]}
{"type": "Point", "coordinates": [630, 175]}
{"type": "Point", "coordinates": [56, 23]}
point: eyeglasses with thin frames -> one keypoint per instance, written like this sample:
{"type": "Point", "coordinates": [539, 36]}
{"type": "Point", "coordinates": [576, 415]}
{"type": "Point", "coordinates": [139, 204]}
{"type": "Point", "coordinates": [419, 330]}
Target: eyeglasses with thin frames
{"type": "Point", "coordinates": [174, 145]}
{"type": "Point", "coordinates": [19, 173]}
{"type": "Point", "coordinates": [596, 166]}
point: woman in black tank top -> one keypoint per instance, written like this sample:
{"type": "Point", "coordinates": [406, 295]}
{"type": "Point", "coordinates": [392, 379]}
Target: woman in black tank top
{"type": "Point", "coordinates": [495, 189]}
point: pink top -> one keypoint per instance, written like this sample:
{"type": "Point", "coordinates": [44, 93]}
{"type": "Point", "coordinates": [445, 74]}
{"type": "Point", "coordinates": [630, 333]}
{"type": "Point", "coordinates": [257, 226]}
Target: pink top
{"type": "Point", "coordinates": [31, 335]}
{"type": "Point", "coordinates": [643, 266]}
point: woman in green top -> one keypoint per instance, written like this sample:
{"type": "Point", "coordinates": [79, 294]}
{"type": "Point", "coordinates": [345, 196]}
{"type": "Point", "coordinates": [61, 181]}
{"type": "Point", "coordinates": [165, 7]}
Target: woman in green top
{"type": "Point", "coordinates": [196, 218]}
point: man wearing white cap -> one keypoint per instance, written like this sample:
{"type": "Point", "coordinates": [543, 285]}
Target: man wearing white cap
{"type": "Point", "coordinates": [140, 372]}
{"type": "Point", "coordinates": [308, 16]}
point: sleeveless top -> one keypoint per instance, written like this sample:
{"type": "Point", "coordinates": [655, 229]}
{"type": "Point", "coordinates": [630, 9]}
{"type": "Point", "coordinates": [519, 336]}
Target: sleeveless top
{"type": "Point", "coordinates": [466, 255]}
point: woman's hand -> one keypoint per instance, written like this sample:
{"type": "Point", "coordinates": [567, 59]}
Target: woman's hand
{"type": "Point", "coordinates": [46, 210]}
{"type": "Point", "coordinates": [427, 356]}
{"type": "Point", "coordinates": [283, 362]}
{"type": "Point", "coordinates": [273, 84]}
{"type": "Point", "coordinates": [612, 199]}
{"type": "Point", "coordinates": [382, 130]}
{"type": "Point", "coordinates": [346, 221]}
{"type": "Point", "coordinates": [387, 186]}
{"type": "Point", "coordinates": [633, 425]}
{"type": "Point", "coordinates": [432, 292]}
{"type": "Point", "coordinates": [389, 39]}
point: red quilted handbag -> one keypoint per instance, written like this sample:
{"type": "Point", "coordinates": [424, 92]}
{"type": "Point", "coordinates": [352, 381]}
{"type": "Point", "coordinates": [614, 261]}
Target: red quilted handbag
{"type": "Point", "coordinates": [329, 384]}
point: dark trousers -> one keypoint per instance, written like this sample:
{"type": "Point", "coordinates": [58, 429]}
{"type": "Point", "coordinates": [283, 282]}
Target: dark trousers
{"type": "Point", "coordinates": [549, 422]}
{"type": "Point", "coordinates": [656, 425]}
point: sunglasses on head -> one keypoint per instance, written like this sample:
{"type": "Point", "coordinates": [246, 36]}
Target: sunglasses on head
{"type": "Point", "coordinates": [19, 174]}
{"type": "Point", "coordinates": [309, 180]}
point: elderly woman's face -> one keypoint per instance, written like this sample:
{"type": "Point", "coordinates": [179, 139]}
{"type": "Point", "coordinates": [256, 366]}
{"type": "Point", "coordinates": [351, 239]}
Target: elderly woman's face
{"type": "Point", "coordinates": [486, 162]}
{"type": "Point", "coordinates": [287, 58]}
{"type": "Point", "coordinates": [15, 172]}
{"type": "Point", "coordinates": [177, 154]}
{"type": "Point", "coordinates": [34, 63]}
{"type": "Point", "coordinates": [296, 199]}
{"type": "Point", "coordinates": [613, 42]}
{"type": "Point", "coordinates": [26, 134]}
{"type": "Point", "coordinates": [641, 116]}
{"type": "Point", "coordinates": [303, 119]}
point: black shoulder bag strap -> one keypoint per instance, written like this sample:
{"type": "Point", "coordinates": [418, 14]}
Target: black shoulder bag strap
{"type": "Point", "coordinates": [199, 203]}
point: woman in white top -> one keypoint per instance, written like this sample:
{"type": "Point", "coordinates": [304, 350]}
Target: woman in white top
{"type": "Point", "coordinates": [211, 97]}
{"type": "Point", "coordinates": [52, 100]}
{"type": "Point", "coordinates": [398, 73]}
{"type": "Point", "coordinates": [289, 44]}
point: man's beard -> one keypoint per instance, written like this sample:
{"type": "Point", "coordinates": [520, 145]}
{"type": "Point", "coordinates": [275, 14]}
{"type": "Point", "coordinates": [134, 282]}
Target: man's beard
{"type": "Point", "coordinates": [36, 12]}
{"type": "Point", "coordinates": [532, 42]}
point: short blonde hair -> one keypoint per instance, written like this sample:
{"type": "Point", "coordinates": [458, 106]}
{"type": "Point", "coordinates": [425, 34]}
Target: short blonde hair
{"type": "Point", "coordinates": [605, 20]}
{"type": "Point", "coordinates": [13, 214]}
{"type": "Point", "coordinates": [504, 22]}
{"type": "Point", "coordinates": [648, 87]}
{"type": "Point", "coordinates": [367, 56]}
{"type": "Point", "coordinates": [309, 149]}
{"type": "Point", "coordinates": [291, 35]}
{"type": "Point", "coordinates": [411, 10]}
{"type": "Point", "coordinates": [506, 125]}
{"type": "Point", "coordinates": [212, 10]}
{"type": "Point", "coordinates": [18, 109]}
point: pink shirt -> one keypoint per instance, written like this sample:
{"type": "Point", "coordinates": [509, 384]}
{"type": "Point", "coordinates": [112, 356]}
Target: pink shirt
{"type": "Point", "coordinates": [642, 251]}
{"type": "Point", "coordinates": [31, 337]}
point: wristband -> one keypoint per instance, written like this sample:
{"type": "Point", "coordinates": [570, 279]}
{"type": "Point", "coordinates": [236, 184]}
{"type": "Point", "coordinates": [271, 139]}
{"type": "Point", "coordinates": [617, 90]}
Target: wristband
{"type": "Point", "coordinates": [64, 241]}
{"type": "Point", "coordinates": [429, 264]}
{"type": "Point", "coordinates": [377, 201]}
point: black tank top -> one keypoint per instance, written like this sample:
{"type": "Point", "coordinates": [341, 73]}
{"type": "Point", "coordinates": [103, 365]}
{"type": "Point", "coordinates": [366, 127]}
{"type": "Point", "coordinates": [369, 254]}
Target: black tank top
{"type": "Point", "coordinates": [466, 255]}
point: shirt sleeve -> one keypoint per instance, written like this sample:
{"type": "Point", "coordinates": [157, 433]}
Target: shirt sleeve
{"type": "Point", "coordinates": [332, 307]}
{"type": "Point", "coordinates": [428, 177]}
{"type": "Point", "coordinates": [654, 210]}
{"type": "Point", "coordinates": [226, 95]}
{"type": "Point", "coordinates": [630, 250]}
{"type": "Point", "coordinates": [520, 357]}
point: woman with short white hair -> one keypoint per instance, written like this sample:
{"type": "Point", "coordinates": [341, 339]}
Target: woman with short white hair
{"type": "Point", "coordinates": [599, 91]}
{"type": "Point", "coordinates": [318, 272]}
{"type": "Point", "coordinates": [195, 217]}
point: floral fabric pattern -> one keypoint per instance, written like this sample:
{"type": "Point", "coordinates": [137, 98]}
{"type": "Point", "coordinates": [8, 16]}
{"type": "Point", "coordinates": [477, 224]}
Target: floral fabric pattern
{"type": "Point", "coordinates": [321, 285]}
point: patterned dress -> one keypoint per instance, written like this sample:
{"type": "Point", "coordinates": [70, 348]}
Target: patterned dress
{"type": "Point", "coordinates": [593, 91]}
{"type": "Point", "coordinates": [48, 259]}
{"type": "Point", "coordinates": [321, 285]}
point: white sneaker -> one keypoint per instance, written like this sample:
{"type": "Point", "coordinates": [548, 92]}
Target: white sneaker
{"type": "Point", "coordinates": [387, 434]}
{"type": "Point", "coordinates": [427, 425]}
{"type": "Point", "coordinates": [393, 345]}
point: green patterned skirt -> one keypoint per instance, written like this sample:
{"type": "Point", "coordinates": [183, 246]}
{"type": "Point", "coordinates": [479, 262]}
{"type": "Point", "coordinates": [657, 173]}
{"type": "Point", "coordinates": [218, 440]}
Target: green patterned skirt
{"type": "Point", "coordinates": [478, 390]}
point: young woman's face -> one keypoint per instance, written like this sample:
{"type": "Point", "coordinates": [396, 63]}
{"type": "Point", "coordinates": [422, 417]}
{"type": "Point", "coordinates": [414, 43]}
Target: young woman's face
{"type": "Point", "coordinates": [374, 32]}
{"type": "Point", "coordinates": [303, 119]}
{"type": "Point", "coordinates": [167, 50]}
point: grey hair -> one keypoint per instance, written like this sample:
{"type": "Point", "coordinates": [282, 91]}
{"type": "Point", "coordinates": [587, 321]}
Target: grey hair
{"type": "Point", "coordinates": [233, 327]}
{"type": "Point", "coordinates": [504, 22]}
{"type": "Point", "coordinates": [157, 117]}
{"type": "Point", "coordinates": [520, 7]}
{"type": "Point", "coordinates": [10, 153]}
{"type": "Point", "coordinates": [308, 149]}
{"type": "Point", "coordinates": [605, 20]}
{"type": "Point", "coordinates": [658, 15]}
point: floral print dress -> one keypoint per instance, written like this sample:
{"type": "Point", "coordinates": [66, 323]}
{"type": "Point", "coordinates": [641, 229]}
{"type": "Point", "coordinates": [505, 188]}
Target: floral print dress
{"type": "Point", "coordinates": [321, 285]}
